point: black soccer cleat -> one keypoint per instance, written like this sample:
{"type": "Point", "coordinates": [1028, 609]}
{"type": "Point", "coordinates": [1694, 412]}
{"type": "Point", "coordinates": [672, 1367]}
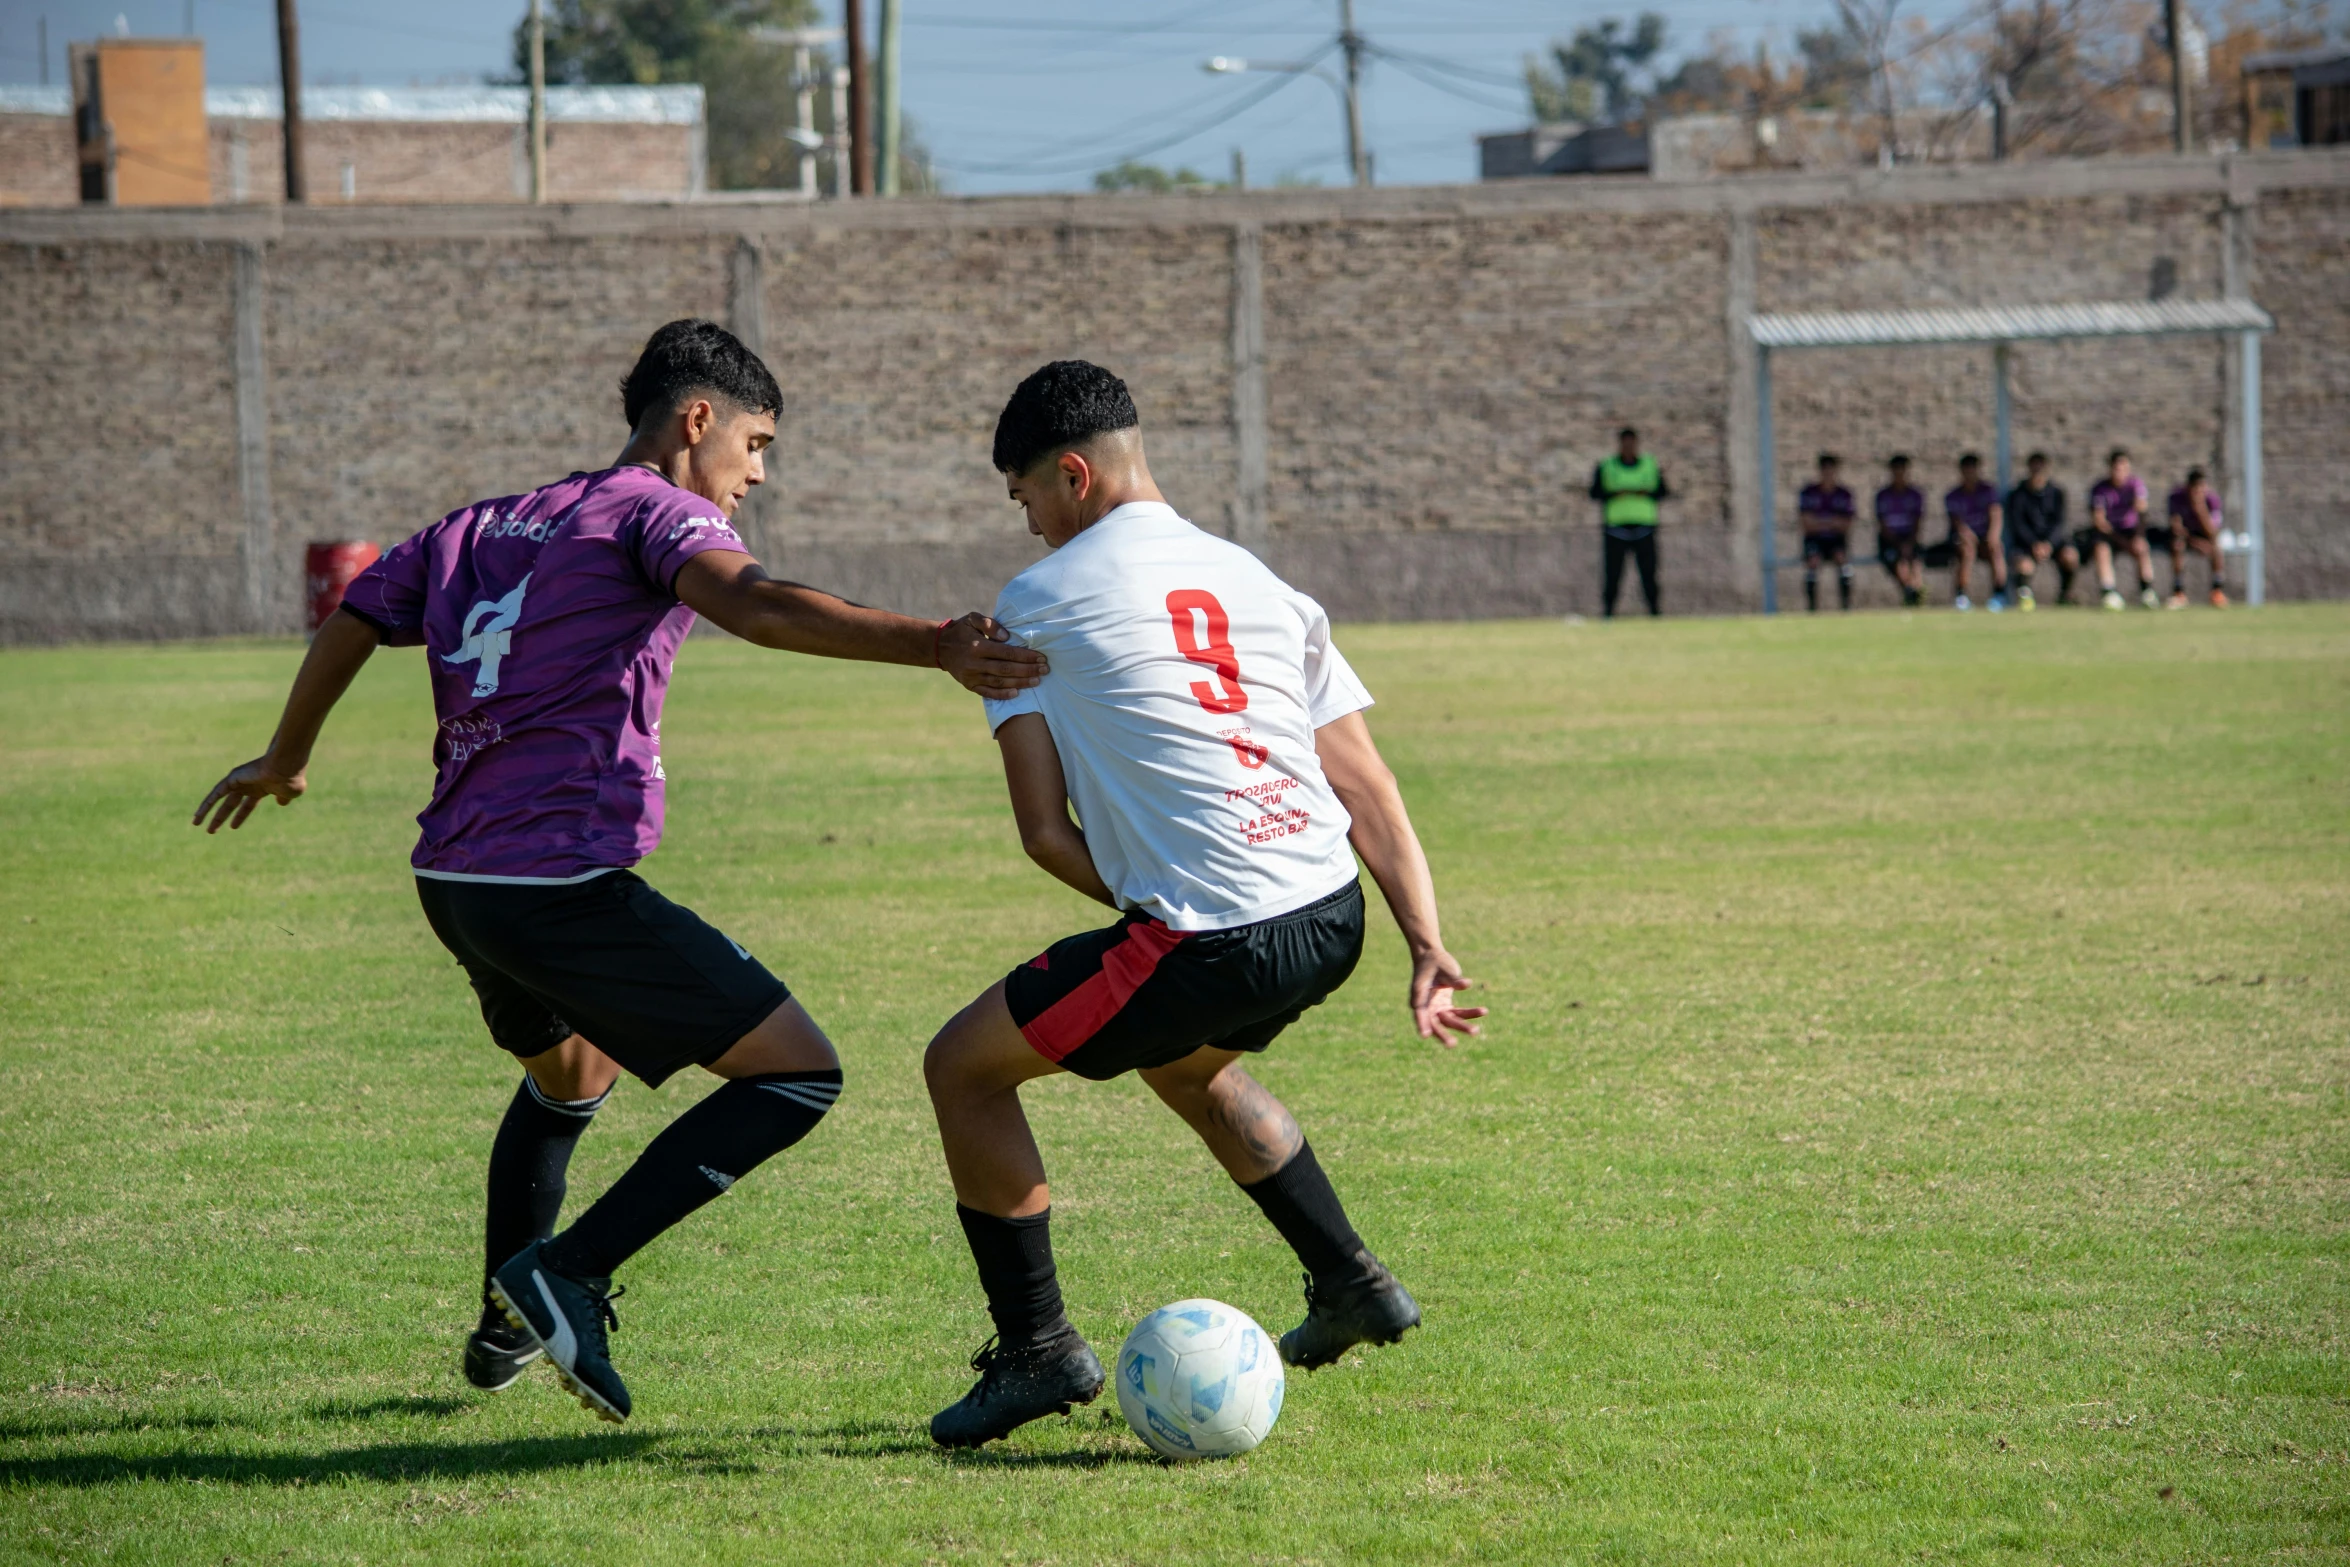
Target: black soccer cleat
{"type": "Point", "coordinates": [1019, 1385]}
{"type": "Point", "coordinates": [496, 1353]}
{"type": "Point", "coordinates": [567, 1318]}
{"type": "Point", "coordinates": [1367, 1307]}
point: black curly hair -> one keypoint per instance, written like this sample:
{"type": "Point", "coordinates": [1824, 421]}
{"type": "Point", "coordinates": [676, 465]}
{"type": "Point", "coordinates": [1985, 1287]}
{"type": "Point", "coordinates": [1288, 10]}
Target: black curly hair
{"type": "Point", "coordinates": [690, 356]}
{"type": "Point", "coordinates": [1066, 402]}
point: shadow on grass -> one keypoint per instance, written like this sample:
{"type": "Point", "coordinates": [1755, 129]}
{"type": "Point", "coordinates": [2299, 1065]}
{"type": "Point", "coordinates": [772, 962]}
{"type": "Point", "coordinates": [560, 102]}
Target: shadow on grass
{"type": "Point", "coordinates": [413, 1405]}
{"type": "Point", "coordinates": [398, 1461]}
{"type": "Point", "coordinates": [895, 1439]}
{"type": "Point", "coordinates": [1098, 1458]}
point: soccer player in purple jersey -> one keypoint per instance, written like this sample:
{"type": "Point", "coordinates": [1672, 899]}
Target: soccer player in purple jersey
{"type": "Point", "coordinates": [550, 622]}
{"type": "Point", "coordinates": [2117, 521]}
{"type": "Point", "coordinates": [1901, 511]}
{"type": "Point", "coordinates": [2195, 525]}
{"type": "Point", "coordinates": [1975, 526]}
{"type": "Point", "coordinates": [1826, 510]}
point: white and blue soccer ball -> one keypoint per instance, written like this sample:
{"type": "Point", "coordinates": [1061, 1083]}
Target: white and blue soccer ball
{"type": "Point", "coordinates": [1199, 1379]}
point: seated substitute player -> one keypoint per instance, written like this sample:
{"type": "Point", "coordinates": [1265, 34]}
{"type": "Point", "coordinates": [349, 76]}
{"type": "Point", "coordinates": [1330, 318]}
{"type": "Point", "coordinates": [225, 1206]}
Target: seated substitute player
{"type": "Point", "coordinates": [550, 622]}
{"type": "Point", "coordinates": [2034, 521]}
{"type": "Point", "coordinates": [2117, 522]}
{"type": "Point", "coordinates": [1212, 741]}
{"type": "Point", "coordinates": [1975, 529]}
{"type": "Point", "coordinates": [2195, 525]}
{"type": "Point", "coordinates": [1826, 510]}
{"type": "Point", "coordinates": [1901, 513]}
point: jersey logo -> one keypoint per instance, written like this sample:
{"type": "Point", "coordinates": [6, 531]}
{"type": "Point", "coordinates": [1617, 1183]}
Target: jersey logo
{"type": "Point", "coordinates": [1213, 648]}
{"type": "Point", "coordinates": [487, 637]}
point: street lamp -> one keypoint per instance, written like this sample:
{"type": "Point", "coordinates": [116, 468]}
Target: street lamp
{"type": "Point", "coordinates": [1349, 99]}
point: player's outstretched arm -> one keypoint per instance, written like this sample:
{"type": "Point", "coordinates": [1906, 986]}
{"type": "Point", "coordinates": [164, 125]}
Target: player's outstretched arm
{"type": "Point", "coordinates": [342, 645]}
{"type": "Point", "coordinates": [1040, 804]}
{"type": "Point", "coordinates": [1383, 836]}
{"type": "Point", "coordinates": [734, 591]}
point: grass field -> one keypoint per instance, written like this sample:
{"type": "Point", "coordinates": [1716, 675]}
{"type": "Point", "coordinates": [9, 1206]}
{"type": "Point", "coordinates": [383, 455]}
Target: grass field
{"type": "Point", "coordinates": [1913, 1127]}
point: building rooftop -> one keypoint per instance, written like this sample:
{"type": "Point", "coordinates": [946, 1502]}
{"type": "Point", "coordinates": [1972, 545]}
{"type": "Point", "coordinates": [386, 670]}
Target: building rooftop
{"type": "Point", "coordinates": [677, 105]}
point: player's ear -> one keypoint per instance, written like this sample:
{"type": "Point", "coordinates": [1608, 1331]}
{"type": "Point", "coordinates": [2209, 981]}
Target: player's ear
{"type": "Point", "coordinates": [700, 418]}
{"type": "Point", "coordinates": [1076, 472]}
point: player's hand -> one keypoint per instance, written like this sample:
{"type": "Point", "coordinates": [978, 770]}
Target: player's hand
{"type": "Point", "coordinates": [979, 653]}
{"type": "Point", "coordinates": [1435, 976]}
{"type": "Point", "coordinates": [244, 788]}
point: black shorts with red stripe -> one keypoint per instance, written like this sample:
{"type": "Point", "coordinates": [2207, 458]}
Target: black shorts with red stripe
{"type": "Point", "coordinates": [1139, 995]}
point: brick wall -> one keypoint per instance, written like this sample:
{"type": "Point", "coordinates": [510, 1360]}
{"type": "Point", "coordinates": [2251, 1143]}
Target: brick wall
{"type": "Point", "coordinates": [424, 161]}
{"type": "Point", "coordinates": [1441, 369]}
{"type": "Point", "coordinates": [454, 161]}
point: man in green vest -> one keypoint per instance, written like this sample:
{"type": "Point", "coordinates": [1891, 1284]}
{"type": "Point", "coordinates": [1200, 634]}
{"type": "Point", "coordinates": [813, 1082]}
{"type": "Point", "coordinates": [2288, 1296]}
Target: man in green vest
{"type": "Point", "coordinates": [1628, 487]}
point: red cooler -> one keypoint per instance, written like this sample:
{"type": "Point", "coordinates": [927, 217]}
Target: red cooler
{"type": "Point", "coordinates": [328, 569]}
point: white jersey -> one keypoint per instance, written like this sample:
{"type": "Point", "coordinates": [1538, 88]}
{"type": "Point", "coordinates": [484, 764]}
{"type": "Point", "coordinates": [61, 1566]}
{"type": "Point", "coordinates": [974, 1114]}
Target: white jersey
{"type": "Point", "coordinates": [1187, 682]}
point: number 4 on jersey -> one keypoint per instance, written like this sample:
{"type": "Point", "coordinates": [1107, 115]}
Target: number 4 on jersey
{"type": "Point", "coordinates": [1203, 634]}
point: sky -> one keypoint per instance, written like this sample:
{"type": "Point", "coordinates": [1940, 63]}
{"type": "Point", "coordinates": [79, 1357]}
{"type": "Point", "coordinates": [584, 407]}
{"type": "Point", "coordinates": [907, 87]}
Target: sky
{"type": "Point", "coordinates": [1028, 95]}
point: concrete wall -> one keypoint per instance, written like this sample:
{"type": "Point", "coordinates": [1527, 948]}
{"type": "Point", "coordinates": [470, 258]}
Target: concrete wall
{"type": "Point", "coordinates": [1397, 395]}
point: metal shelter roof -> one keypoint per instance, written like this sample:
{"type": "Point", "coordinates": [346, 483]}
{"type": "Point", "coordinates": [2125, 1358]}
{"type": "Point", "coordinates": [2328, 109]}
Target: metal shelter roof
{"type": "Point", "coordinates": [2008, 323]}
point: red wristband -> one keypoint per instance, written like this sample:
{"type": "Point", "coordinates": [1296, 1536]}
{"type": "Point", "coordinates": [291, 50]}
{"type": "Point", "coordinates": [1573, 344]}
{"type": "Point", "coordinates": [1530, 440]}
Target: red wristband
{"type": "Point", "coordinates": [938, 642]}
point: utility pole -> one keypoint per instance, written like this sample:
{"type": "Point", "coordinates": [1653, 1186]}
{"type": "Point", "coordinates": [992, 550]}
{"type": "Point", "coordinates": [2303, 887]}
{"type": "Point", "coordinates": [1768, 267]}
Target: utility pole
{"type": "Point", "coordinates": [887, 136]}
{"type": "Point", "coordinates": [1352, 42]}
{"type": "Point", "coordinates": [840, 131]}
{"type": "Point", "coordinates": [860, 100]}
{"type": "Point", "coordinates": [1239, 168]}
{"type": "Point", "coordinates": [289, 72]}
{"type": "Point", "coordinates": [804, 116]}
{"type": "Point", "coordinates": [538, 102]}
{"type": "Point", "coordinates": [2174, 16]}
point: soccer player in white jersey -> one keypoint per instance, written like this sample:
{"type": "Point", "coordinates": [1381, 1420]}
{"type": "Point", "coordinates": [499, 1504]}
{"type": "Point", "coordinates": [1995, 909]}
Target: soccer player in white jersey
{"type": "Point", "coordinates": [1211, 738]}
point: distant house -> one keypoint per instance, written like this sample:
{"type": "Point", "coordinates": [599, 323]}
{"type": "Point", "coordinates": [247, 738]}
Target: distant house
{"type": "Point", "coordinates": [1562, 148]}
{"type": "Point", "coordinates": [2297, 98]}
{"type": "Point", "coordinates": [1713, 146]}
{"type": "Point", "coordinates": [397, 144]}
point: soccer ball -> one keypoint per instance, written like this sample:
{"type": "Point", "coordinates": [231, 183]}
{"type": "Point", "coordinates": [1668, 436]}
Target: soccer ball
{"type": "Point", "coordinates": [1199, 1379]}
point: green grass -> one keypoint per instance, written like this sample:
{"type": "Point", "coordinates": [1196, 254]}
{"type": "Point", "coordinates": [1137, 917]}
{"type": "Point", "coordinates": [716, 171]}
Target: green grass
{"type": "Point", "coordinates": [1912, 1127]}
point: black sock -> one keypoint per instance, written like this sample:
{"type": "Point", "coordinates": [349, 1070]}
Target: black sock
{"type": "Point", "coordinates": [1015, 1258]}
{"type": "Point", "coordinates": [1298, 1199]}
{"type": "Point", "coordinates": [1811, 590]}
{"type": "Point", "coordinates": [1844, 586]}
{"type": "Point", "coordinates": [696, 1158]}
{"type": "Point", "coordinates": [526, 1170]}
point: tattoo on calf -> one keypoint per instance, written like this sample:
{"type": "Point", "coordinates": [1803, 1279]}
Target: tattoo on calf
{"type": "Point", "coordinates": [1259, 1120]}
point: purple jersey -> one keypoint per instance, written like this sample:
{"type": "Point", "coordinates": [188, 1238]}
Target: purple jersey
{"type": "Point", "coordinates": [1971, 508]}
{"type": "Point", "coordinates": [2182, 511]}
{"type": "Point", "coordinates": [1900, 510]}
{"type": "Point", "coordinates": [549, 624]}
{"type": "Point", "coordinates": [1825, 509]}
{"type": "Point", "coordinates": [2123, 505]}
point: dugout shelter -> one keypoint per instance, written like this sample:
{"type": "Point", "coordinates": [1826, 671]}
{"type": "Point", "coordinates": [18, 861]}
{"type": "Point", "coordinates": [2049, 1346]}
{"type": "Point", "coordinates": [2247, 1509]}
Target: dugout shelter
{"type": "Point", "coordinates": [1999, 327]}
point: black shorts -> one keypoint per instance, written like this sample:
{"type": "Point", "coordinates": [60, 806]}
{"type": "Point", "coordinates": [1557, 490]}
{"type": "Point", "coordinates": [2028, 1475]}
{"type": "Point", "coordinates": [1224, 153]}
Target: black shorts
{"type": "Point", "coordinates": [1825, 546]}
{"type": "Point", "coordinates": [650, 984]}
{"type": "Point", "coordinates": [1894, 548]}
{"type": "Point", "coordinates": [1139, 995]}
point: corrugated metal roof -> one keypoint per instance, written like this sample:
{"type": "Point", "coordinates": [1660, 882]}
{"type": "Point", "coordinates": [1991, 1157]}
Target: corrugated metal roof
{"type": "Point", "coordinates": [2008, 323]}
{"type": "Point", "coordinates": [676, 105]}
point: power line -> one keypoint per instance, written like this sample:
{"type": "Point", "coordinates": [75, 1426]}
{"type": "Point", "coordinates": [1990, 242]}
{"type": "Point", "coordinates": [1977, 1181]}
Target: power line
{"type": "Point", "coordinates": [1110, 160]}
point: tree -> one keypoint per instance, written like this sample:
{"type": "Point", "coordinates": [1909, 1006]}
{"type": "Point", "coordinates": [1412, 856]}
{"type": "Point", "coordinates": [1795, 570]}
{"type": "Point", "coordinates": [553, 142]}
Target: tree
{"type": "Point", "coordinates": [1595, 76]}
{"type": "Point", "coordinates": [1151, 179]}
{"type": "Point", "coordinates": [747, 84]}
